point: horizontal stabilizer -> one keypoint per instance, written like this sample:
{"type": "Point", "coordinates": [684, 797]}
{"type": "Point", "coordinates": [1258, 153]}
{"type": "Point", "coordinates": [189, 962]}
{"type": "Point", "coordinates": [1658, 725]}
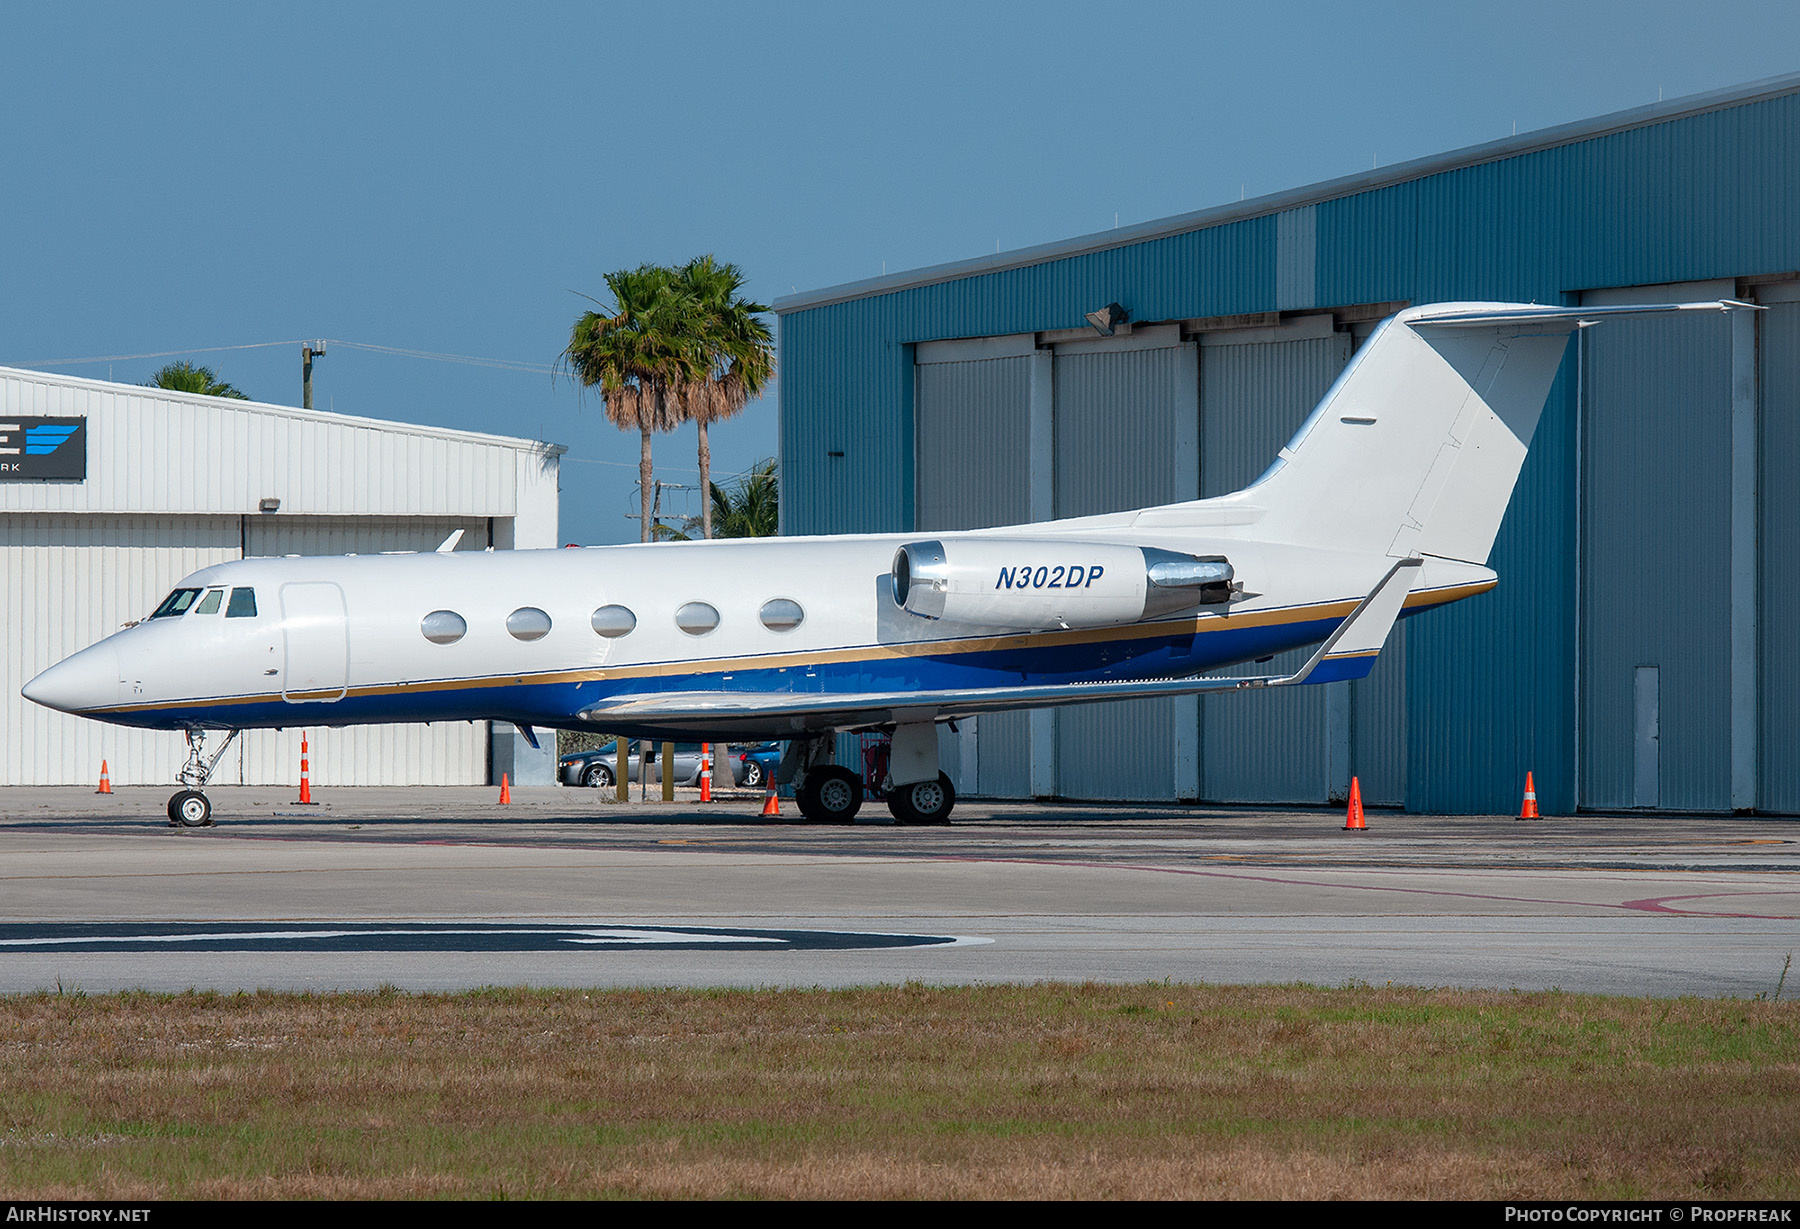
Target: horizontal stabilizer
{"type": "Point", "coordinates": [1534, 314]}
{"type": "Point", "coordinates": [1351, 651]}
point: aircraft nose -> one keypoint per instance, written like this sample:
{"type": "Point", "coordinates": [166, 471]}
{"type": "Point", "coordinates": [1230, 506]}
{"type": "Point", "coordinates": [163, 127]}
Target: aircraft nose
{"type": "Point", "coordinates": [88, 680]}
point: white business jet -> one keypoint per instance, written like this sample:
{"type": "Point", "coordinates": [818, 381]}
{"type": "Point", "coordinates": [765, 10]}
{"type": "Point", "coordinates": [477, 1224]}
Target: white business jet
{"type": "Point", "coordinates": [1384, 504]}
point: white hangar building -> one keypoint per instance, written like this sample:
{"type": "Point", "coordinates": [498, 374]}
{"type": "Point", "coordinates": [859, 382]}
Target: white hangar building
{"type": "Point", "coordinates": [111, 493]}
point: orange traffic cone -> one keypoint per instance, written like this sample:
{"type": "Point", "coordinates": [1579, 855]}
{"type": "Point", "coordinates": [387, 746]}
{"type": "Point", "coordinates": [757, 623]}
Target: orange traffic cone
{"type": "Point", "coordinates": [105, 780]}
{"type": "Point", "coordinates": [771, 804]}
{"type": "Point", "coordinates": [705, 772]}
{"type": "Point", "coordinates": [1529, 810]}
{"type": "Point", "coordinates": [305, 799]}
{"type": "Point", "coordinates": [505, 789]}
{"type": "Point", "coordinates": [1353, 818]}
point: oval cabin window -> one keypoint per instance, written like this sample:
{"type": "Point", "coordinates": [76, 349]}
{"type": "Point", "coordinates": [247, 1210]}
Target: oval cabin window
{"type": "Point", "coordinates": [696, 618]}
{"type": "Point", "coordinates": [614, 621]}
{"type": "Point", "coordinates": [443, 627]}
{"type": "Point", "coordinates": [782, 615]}
{"type": "Point", "coordinates": [528, 623]}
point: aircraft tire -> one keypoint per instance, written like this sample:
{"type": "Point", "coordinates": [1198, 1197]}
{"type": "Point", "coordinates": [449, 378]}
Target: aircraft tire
{"type": "Point", "coordinates": [596, 776]}
{"type": "Point", "coordinates": [831, 795]}
{"type": "Point", "coordinates": [190, 809]}
{"type": "Point", "coordinates": [923, 802]}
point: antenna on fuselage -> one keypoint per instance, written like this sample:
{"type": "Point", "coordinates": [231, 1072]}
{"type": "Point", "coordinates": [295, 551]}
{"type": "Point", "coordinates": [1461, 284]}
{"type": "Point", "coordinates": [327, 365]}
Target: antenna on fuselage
{"type": "Point", "coordinates": [449, 543]}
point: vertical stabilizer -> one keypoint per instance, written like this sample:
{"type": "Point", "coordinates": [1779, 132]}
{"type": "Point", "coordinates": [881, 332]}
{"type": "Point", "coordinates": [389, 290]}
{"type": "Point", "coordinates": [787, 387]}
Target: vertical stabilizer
{"type": "Point", "coordinates": [1416, 448]}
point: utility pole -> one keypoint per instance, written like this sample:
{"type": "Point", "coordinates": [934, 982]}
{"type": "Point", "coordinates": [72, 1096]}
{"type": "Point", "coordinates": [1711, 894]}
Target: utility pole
{"type": "Point", "coordinates": [308, 352]}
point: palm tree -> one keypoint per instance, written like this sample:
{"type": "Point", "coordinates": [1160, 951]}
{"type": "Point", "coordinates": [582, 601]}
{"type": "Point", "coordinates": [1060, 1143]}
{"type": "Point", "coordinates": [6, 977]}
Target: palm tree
{"type": "Point", "coordinates": [639, 356]}
{"type": "Point", "coordinates": [749, 508]}
{"type": "Point", "coordinates": [733, 351]}
{"type": "Point", "coordinates": [752, 507]}
{"type": "Point", "coordinates": [184, 377]}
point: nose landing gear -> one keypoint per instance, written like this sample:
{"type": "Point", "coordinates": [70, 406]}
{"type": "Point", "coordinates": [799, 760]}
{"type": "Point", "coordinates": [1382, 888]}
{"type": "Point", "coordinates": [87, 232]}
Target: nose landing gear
{"type": "Point", "coordinates": [190, 808]}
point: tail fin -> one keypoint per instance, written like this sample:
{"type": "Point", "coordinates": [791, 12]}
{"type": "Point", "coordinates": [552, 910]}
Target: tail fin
{"type": "Point", "coordinates": [1415, 449]}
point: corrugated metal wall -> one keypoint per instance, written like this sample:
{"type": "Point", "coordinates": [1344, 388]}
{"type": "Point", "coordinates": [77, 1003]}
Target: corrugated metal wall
{"type": "Point", "coordinates": [973, 424]}
{"type": "Point", "coordinates": [1779, 381]}
{"type": "Point", "coordinates": [66, 582]}
{"type": "Point", "coordinates": [973, 471]}
{"type": "Point", "coordinates": [151, 451]}
{"type": "Point", "coordinates": [1656, 509]}
{"type": "Point", "coordinates": [1127, 436]}
{"type": "Point", "coordinates": [70, 581]}
{"type": "Point", "coordinates": [1268, 746]}
{"type": "Point", "coordinates": [1490, 684]}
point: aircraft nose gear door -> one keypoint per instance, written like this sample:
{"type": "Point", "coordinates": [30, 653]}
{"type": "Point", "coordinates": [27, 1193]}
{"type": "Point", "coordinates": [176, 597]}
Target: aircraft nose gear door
{"type": "Point", "coordinates": [318, 643]}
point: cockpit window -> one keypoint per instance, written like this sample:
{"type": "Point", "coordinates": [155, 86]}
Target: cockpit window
{"type": "Point", "coordinates": [242, 604]}
{"type": "Point", "coordinates": [177, 603]}
{"type": "Point", "coordinates": [210, 603]}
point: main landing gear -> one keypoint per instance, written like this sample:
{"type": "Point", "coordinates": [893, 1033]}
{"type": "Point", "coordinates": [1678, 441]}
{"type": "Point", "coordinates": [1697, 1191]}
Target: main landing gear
{"type": "Point", "coordinates": [922, 802]}
{"type": "Point", "coordinates": [190, 808]}
{"type": "Point", "coordinates": [917, 793]}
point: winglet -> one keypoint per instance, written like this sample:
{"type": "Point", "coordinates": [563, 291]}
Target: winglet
{"type": "Point", "coordinates": [1351, 650]}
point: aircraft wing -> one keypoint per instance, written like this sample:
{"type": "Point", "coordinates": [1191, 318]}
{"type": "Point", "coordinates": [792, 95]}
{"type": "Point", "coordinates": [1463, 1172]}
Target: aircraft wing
{"type": "Point", "coordinates": [1349, 653]}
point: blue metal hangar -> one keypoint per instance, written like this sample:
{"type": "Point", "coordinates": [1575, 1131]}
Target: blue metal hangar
{"type": "Point", "coordinates": [1643, 647]}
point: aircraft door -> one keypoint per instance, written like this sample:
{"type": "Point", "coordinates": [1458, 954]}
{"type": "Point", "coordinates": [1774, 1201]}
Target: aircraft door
{"type": "Point", "coordinates": [317, 637]}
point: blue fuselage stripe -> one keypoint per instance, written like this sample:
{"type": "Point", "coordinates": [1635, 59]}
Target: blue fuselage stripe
{"type": "Point", "coordinates": [553, 704]}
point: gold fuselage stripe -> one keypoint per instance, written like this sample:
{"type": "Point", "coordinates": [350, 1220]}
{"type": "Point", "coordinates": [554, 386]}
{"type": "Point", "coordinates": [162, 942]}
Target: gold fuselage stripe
{"type": "Point", "coordinates": [882, 652]}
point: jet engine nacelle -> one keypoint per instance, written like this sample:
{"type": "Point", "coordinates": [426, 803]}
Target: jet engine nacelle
{"type": "Point", "coordinates": [1033, 583]}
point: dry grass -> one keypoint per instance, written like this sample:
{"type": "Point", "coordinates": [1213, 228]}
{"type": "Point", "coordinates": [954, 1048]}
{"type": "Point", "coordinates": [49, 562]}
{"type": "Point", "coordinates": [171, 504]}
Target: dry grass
{"type": "Point", "coordinates": [1037, 1091]}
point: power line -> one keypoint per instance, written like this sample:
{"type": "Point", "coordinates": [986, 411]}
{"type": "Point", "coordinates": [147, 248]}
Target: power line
{"type": "Point", "coordinates": [469, 360]}
{"type": "Point", "coordinates": [121, 358]}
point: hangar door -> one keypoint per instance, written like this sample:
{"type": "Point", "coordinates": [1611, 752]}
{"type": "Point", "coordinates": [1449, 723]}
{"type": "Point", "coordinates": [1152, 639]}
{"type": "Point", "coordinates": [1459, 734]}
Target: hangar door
{"type": "Point", "coordinates": [1007, 433]}
{"type": "Point", "coordinates": [67, 581]}
{"type": "Point", "coordinates": [1655, 674]}
{"type": "Point", "coordinates": [1778, 379]}
{"type": "Point", "coordinates": [972, 454]}
{"type": "Point", "coordinates": [1294, 745]}
{"type": "Point", "coordinates": [1127, 436]}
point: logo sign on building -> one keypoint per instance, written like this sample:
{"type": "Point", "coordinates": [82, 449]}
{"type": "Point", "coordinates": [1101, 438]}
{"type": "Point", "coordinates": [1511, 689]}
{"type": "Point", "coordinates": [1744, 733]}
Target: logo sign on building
{"type": "Point", "coordinates": [34, 449]}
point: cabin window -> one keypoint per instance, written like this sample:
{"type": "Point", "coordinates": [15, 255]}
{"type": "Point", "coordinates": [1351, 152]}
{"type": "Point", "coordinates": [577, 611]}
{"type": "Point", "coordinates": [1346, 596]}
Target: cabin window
{"type": "Point", "coordinates": [242, 604]}
{"type": "Point", "coordinates": [781, 615]}
{"type": "Point", "coordinates": [443, 627]}
{"type": "Point", "coordinates": [210, 603]}
{"type": "Point", "coordinates": [614, 621]}
{"type": "Point", "coordinates": [696, 618]}
{"type": "Point", "coordinates": [177, 603]}
{"type": "Point", "coordinates": [528, 623]}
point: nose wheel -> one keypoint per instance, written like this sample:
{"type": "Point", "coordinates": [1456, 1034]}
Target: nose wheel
{"type": "Point", "coordinates": [190, 808]}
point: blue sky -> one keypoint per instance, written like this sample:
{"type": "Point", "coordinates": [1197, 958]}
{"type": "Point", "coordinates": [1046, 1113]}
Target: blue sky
{"type": "Point", "coordinates": [451, 177]}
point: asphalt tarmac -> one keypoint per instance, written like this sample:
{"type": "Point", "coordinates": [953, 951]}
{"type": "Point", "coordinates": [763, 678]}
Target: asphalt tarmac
{"type": "Point", "coordinates": [443, 889]}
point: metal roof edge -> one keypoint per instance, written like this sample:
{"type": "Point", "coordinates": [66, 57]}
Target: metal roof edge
{"type": "Point", "coordinates": [327, 417]}
{"type": "Point", "coordinates": [1292, 198]}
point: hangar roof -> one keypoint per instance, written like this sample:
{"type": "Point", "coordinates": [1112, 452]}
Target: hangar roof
{"type": "Point", "coordinates": [1400, 172]}
{"type": "Point", "coordinates": [153, 450]}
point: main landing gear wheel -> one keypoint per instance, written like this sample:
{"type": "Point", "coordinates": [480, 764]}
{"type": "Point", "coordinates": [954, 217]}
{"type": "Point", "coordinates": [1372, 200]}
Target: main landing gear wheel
{"type": "Point", "coordinates": [596, 776]}
{"type": "Point", "coordinates": [190, 809]}
{"type": "Point", "coordinates": [923, 802]}
{"type": "Point", "coordinates": [831, 795]}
